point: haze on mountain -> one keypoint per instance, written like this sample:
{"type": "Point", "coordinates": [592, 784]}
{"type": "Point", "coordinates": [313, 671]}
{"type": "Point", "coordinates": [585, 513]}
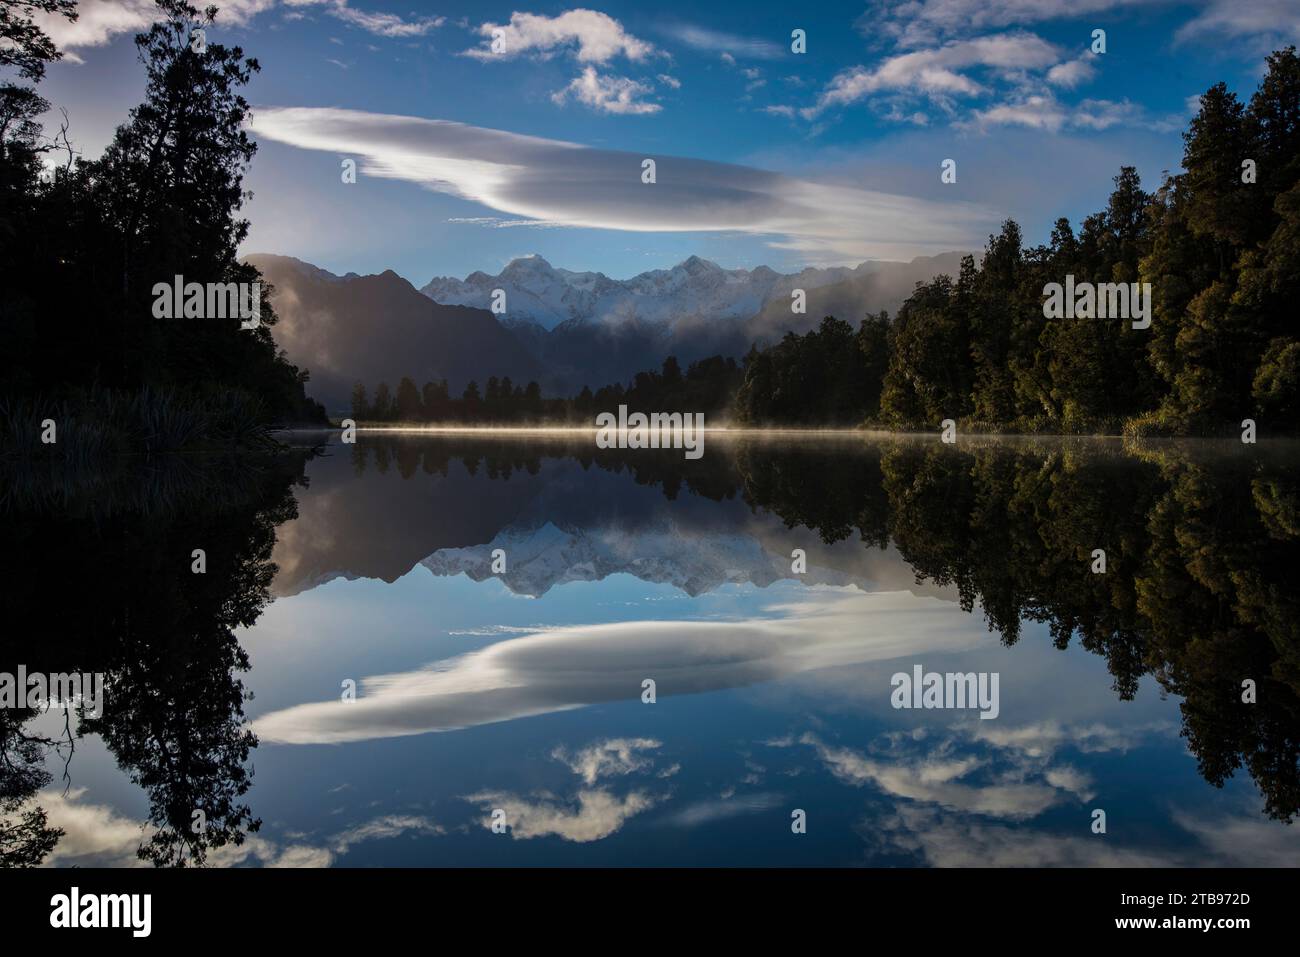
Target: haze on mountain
{"type": "Point", "coordinates": [377, 328]}
{"type": "Point", "coordinates": [562, 328]}
{"type": "Point", "coordinates": [538, 293]}
{"type": "Point", "coordinates": [694, 291]}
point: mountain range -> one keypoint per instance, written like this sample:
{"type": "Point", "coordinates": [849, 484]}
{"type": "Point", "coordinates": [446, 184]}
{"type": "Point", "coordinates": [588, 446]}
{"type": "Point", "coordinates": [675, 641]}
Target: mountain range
{"type": "Point", "coordinates": [563, 328]}
{"type": "Point", "coordinates": [538, 293]}
{"type": "Point", "coordinates": [345, 329]}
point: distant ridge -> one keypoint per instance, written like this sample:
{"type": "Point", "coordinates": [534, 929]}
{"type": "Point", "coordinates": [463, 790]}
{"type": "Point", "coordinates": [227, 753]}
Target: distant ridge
{"type": "Point", "coordinates": [563, 328]}
{"type": "Point", "coordinates": [345, 329]}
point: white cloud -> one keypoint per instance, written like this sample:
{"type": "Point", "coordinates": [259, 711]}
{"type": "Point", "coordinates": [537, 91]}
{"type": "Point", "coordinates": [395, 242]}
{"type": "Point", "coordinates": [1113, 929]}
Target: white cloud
{"type": "Point", "coordinates": [597, 814]}
{"type": "Point", "coordinates": [946, 839]}
{"type": "Point", "coordinates": [670, 81]}
{"type": "Point", "coordinates": [1044, 738]}
{"type": "Point", "coordinates": [99, 22]}
{"type": "Point", "coordinates": [936, 780]}
{"type": "Point", "coordinates": [754, 77]}
{"type": "Point", "coordinates": [1242, 840]}
{"type": "Point", "coordinates": [1103, 114]}
{"type": "Point", "coordinates": [575, 666]}
{"type": "Point", "coordinates": [95, 835]}
{"type": "Point", "coordinates": [1045, 112]}
{"type": "Point", "coordinates": [611, 758]}
{"type": "Point", "coordinates": [380, 24]}
{"type": "Point", "coordinates": [716, 41]}
{"type": "Point", "coordinates": [1019, 777]}
{"type": "Point", "coordinates": [1073, 73]}
{"type": "Point", "coordinates": [383, 828]}
{"type": "Point", "coordinates": [916, 118]}
{"type": "Point", "coordinates": [1034, 112]}
{"type": "Point", "coordinates": [729, 806]}
{"type": "Point", "coordinates": [1271, 22]}
{"type": "Point", "coordinates": [936, 72]}
{"type": "Point", "coordinates": [547, 180]}
{"type": "Point", "coordinates": [1071, 779]}
{"type": "Point", "coordinates": [609, 94]}
{"type": "Point", "coordinates": [598, 37]}
{"type": "Point", "coordinates": [924, 22]}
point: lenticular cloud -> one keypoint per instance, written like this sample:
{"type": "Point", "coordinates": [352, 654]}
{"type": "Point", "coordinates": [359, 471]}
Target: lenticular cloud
{"type": "Point", "coordinates": [568, 184]}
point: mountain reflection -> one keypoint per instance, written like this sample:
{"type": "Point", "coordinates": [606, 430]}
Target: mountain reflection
{"type": "Point", "coordinates": [1200, 588]}
{"type": "Point", "coordinates": [1199, 592]}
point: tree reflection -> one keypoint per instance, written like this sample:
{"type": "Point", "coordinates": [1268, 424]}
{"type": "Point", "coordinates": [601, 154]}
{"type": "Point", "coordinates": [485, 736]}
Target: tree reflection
{"type": "Point", "coordinates": [1200, 588]}
{"type": "Point", "coordinates": [1200, 545]}
{"type": "Point", "coordinates": [1199, 592]}
{"type": "Point", "coordinates": [105, 584]}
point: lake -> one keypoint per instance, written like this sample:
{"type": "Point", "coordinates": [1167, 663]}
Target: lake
{"type": "Point", "coordinates": [458, 649]}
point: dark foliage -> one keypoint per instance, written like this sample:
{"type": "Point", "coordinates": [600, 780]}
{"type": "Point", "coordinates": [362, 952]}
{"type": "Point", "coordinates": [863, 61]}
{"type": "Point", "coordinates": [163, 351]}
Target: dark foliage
{"type": "Point", "coordinates": [1222, 255]}
{"type": "Point", "coordinates": [706, 386]}
{"type": "Point", "coordinates": [84, 243]}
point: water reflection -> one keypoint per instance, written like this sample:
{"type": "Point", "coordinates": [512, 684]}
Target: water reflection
{"type": "Point", "coordinates": [571, 667]}
{"type": "Point", "coordinates": [1200, 544]}
{"type": "Point", "coordinates": [98, 579]}
{"type": "Point", "coordinates": [908, 543]}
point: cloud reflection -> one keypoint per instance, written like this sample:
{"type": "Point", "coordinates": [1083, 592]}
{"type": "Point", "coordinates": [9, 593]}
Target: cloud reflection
{"type": "Point", "coordinates": [572, 667]}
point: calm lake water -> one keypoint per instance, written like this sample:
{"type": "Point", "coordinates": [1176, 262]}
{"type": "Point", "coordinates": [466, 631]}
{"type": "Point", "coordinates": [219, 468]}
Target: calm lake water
{"type": "Point", "coordinates": [499, 605]}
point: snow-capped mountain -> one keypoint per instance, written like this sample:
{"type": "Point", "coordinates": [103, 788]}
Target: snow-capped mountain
{"type": "Point", "coordinates": [562, 328]}
{"type": "Point", "coordinates": [541, 557]}
{"type": "Point", "coordinates": [537, 292]}
{"type": "Point", "coordinates": [585, 328]}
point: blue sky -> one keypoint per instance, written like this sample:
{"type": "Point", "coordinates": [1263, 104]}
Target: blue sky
{"type": "Point", "coordinates": [469, 156]}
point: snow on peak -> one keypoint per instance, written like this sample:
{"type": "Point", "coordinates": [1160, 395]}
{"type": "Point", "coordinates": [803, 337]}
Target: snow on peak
{"type": "Point", "coordinates": [544, 556]}
{"type": "Point", "coordinates": [695, 288]}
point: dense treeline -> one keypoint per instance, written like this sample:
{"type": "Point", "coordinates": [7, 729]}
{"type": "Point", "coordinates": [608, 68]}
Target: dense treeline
{"type": "Point", "coordinates": [706, 386]}
{"type": "Point", "coordinates": [1220, 245]}
{"type": "Point", "coordinates": [84, 242]}
{"type": "Point", "coordinates": [830, 376]}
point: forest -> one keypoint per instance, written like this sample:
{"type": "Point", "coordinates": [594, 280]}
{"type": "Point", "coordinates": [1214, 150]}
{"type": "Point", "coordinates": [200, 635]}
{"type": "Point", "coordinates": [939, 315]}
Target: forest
{"type": "Point", "coordinates": [83, 242]}
{"type": "Point", "coordinates": [1220, 245]}
{"type": "Point", "coordinates": [707, 385]}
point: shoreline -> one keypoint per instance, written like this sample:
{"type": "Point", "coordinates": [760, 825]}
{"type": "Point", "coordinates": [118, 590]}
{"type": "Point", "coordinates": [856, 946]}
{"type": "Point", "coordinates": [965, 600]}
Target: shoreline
{"type": "Point", "coordinates": [760, 432]}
